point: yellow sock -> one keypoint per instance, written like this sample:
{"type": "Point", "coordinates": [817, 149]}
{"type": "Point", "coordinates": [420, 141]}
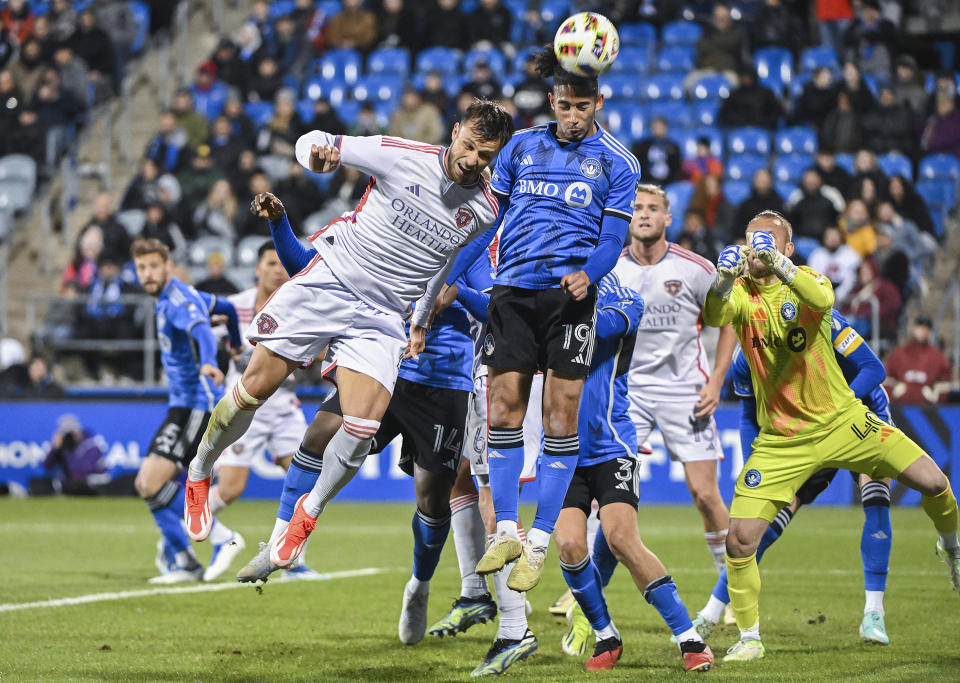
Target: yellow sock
{"type": "Point", "coordinates": [942, 509]}
{"type": "Point", "coordinates": [743, 584]}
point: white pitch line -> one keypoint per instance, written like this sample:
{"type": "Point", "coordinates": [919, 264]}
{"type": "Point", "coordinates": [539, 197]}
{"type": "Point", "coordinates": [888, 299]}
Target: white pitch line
{"type": "Point", "coordinates": [201, 588]}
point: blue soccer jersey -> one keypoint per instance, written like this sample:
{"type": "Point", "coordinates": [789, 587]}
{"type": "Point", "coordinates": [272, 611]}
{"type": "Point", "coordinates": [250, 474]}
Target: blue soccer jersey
{"type": "Point", "coordinates": [558, 194]}
{"type": "Point", "coordinates": [180, 310]}
{"type": "Point", "coordinates": [605, 428]}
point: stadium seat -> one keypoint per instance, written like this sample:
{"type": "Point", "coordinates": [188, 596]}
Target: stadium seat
{"type": "Point", "coordinates": [509, 83]}
{"type": "Point", "coordinates": [687, 140]}
{"type": "Point", "coordinates": [203, 247]}
{"type": "Point", "coordinates": [14, 195]}
{"type": "Point", "coordinates": [785, 189]}
{"type": "Point", "coordinates": [820, 55]}
{"type": "Point", "coordinates": [333, 90]}
{"type": "Point", "coordinates": [379, 88]}
{"type": "Point", "coordinates": [493, 57]}
{"type": "Point", "coordinates": [939, 167]}
{"type": "Point", "coordinates": [679, 193]}
{"type": "Point", "coordinates": [797, 82]}
{"type": "Point", "coordinates": [339, 64]}
{"type": "Point", "coordinates": [389, 60]}
{"type": "Point", "coordinates": [305, 110]}
{"type": "Point", "coordinates": [676, 59]}
{"type": "Point", "coordinates": [635, 60]}
{"type": "Point", "coordinates": [520, 59]}
{"type": "Point", "coordinates": [292, 81]}
{"type": "Point", "coordinates": [774, 67]}
{"type": "Point", "coordinates": [554, 11]}
{"type": "Point", "coordinates": [870, 81]}
{"type": "Point", "coordinates": [681, 33]}
{"type": "Point", "coordinates": [931, 81]}
{"type": "Point", "coordinates": [384, 110]}
{"type": "Point", "coordinates": [748, 141]}
{"type": "Point", "coordinates": [845, 161]}
{"type": "Point", "coordinates": [736, 191]}
{"type": "Point", "coordinates": [279, 8]}
{"type": "Point", "coordinates": [347, 110]}
{"type": "Point", "coordinates": [743, 167]}
{"type": "Point", "coordinates": [451, 83]}
{"type": "Point", "coordinates": [677, 114]}
{"type": "Point", "coordinates": [626, 121]}
{"type": "Point", "coordinates": [329, 7]}
{"type": "Point", "coordinates": [20, 168]}
{"type": "Point", "coordinates": [247, 250]}
{"type": "Point", "coordinates": [804, 246]}
{"type": "Point", "coordinates": [799, 139]}
{"type": "Point", "coordinates": [711, 88]}
{"type": "Point", "coordinates": [446, 60]}
{"type": "Point", "coordinates": [790, 168]}
{"type": "Point", "coordinates": [259, 113]}
{"type": "Point", "coordinates": [705, 112]}
{"type": "Point", "coordinates": [637, 34]}
{"type": "Point", "coordinates": [621, 86]}
{"type": "Point", "coordinates": [940, 195]}
{"type": "Point", "coordinates": [141, 17]}
{"type": "Point", "coordinates": [664, 87]}
{"type": "Point", "coordinates": [132, 220]}
{"type": "Point", "coordinates": [895, 163]}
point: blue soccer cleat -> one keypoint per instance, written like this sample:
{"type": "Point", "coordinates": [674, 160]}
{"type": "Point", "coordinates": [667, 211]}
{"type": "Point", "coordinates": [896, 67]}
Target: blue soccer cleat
{"type": "Point", "coordinates": [503, 653]}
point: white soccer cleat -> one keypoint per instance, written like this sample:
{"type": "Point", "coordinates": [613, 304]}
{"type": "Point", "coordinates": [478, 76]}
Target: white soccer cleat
{"type": "Point", "coordinates": [178, 576]}
{"type": "Point", "coordinates": [951, 557]}
{"type": "Point", "coordinates": [729, 619]}
{"type": "Point", "coordinates": [413, 612]}
{"type": "Point", "coordinates": [223, 556]}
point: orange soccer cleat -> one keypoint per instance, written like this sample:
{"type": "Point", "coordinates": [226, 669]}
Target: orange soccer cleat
{"type": "Point", "coordinates": [196, 509]}
{"type": "Point", "coordinates": [605, 655]}
{"type": "Point", "coordinates": [291, 541]}
{"type": "Point", "coordinates": [696, 656]}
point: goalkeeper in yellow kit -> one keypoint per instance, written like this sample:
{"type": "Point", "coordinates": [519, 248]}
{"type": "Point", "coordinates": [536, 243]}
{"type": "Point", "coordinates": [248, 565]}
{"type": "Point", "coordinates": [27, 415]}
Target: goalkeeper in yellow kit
{"type": "Point", "coordinates": [809, 418]}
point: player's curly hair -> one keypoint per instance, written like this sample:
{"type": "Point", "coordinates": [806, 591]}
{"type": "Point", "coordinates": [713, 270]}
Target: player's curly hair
{"type": "Point", "coordinates": [489, 120]}
{"type": "Point", "coordinates": [548, 67]}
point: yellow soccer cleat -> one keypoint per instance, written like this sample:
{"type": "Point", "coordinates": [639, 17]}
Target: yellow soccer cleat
{"type": "Point", "coordinates": [502, 551]}
{"type": "Point", "coordinates": [574, 643]}
{"type": "Point", "coordinates": [745, 651]}
{"type": "Point", "coordinates": [528, 569]}
{"type": "Point", "coordinates": [563, 604]}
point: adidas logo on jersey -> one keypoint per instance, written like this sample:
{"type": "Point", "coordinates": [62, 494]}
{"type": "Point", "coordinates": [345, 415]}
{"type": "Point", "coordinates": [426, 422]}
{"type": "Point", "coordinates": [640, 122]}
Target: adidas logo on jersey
{"type": "Point", "coordinates": [413, 189]}
{"type": "Point", "coordinates": [527, 161]}
{"type": "Point", "coordinates": [557, 465]}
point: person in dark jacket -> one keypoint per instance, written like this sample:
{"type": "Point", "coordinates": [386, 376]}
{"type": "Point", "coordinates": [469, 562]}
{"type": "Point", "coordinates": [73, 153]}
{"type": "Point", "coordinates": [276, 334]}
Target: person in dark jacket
{"type": "Point", "coordinates": [446, 26]}
{"type": "Point", "coordinates": [841, 129]}
{"type": "Point", "coordinates": [818, 99]}
{"type": "Point", "coordinates": [750, 104]}
{"type": "Point", "coordinates": [813, 212]}
{"type": "Point", "coordinates": [762, 197]}
{"type": "Point", "coordinates": [909, 204]}
{"type": "Point", "coordinates": [659, 156]}
{"type": "Point", "coordinates": [832, 173]}
{"type": "Point", "coordinates": [889, 126]}
{"type": "Point", "coordinates": [489, 23]}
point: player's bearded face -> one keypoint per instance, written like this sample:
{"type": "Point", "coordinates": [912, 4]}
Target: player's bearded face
{"type": "Point", "coordinates": [153, 272]}
{"type": "Point", "coordinates": [576, 114]}
{"type": "Point", "coordinates": [468, 154]}
{"type": "Point", "coordinates": [650, 218]}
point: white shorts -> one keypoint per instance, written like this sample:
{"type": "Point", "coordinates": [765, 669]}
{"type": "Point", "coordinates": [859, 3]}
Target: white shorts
{"type": "Point", "coordinates": [685, 438]}
{"type": "Point", "coordinates": [277, 432]}
{"type": "Point", "coordinates": [313, 309]}
{"type": "Point", "coordinates": [475, 445]}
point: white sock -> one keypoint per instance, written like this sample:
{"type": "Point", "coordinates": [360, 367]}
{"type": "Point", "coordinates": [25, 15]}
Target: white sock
{"type": "Point", "coordinates": [513, 607]}
{"type": "Point", "coordinates": [278, 526]}
{"type": "Point", "coordinates": [752, 633]}
{"type": "Point", "coordinates": [949, 540]}
{"type": "Point", "coordinates": [507, 527]}
{"type": "Point", "coordinates": [230, 419]}
{"type": "Point", "coordinates": [593, 523]}
{"type": "Point", "coordinates": [608, 631]}
{"type": "Point", "coordinates": [187, 559]}
{"type": "Point", "coordinates": [219, 533]}
{"type": "Point", "coordinates": [468, 540]}
{"type": "Point", "coordinates": [538, 537]}
{"type": "Point", "coordinates": [689, 634]}
{"type": "Point", "coordinates": [418, 586]}
{"type": "Point", "coordinates": [342, 458]}
{"type": "Point", "coordinates": [214, 500]}
{"type": "Point", "coordinates": [874, 602]}
{"type": "Point", "coordinates": [713, 610]}
{"type": "Point", "coordinates": [717, 544]}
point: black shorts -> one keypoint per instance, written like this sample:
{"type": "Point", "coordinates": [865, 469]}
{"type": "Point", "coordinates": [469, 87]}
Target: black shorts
{"type": "Point", "coordinates": [612, 481]}
{"type": "Point", "coordinates": [431, 421]}
{"type": "Point", "coordinates": [540, 329]}
{"type": "Point", "coordinates": [818, 483]}
{"type": "Point", "coordinates": [179, 435]}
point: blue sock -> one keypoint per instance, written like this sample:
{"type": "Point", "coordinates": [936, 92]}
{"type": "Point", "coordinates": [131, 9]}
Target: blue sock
{"type": "Point", "coordinates": [772, 533]}
{"type": "Point", "coordinates": [603, 558]}
{"type": "Point", "coordinates": [505, 459]}
{"type": "Point", "coordinates": [877, 538]}
{"type": "Point", "coordinates": [662, 594]}
{"type": "Point", "coordinates": [557, 463]}
{"type": "Point", "coordinates": [167, 510]}
{"type": "Point", "coordinates": [429, 535]}
{"type": "Point", "coordinates": [584, 580]}
{"type": "Point", "coordinates": [300, 478]}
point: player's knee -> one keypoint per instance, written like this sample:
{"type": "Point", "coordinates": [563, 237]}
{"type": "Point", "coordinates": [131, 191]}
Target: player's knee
{"type": "Point", "coordinates": [705, 500]}
{"type": "Point", "coordinates": [620, 541]}
{"type": "Point", "coordinates": [740, 543]}
{"type": "Point", "coordinates": [560, 420]}
{"type": "Point", "coordinates": [145, 486]}
{"type": "Point", "coordinates": [571, 548]}
{"type": "Point", "coordinates": [506, 411]}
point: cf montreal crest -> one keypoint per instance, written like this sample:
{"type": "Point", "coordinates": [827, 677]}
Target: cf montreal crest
{"type": "Point", "coordinates": [672, 287]}
{"type": "Point", "coordinates": [266, 324]}
{"type": "Point", "coordinates": [464, 217]}
{"type": "Point", "coordinates": [752, 479]}
{"type": "Point", "coordinates": [590, 168]}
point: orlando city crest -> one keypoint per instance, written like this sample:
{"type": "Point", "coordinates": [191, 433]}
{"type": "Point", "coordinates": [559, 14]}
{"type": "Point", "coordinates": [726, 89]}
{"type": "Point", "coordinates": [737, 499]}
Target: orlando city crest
{"type": "Point", "coordinates": [266, 324]}
{"type": "Point", "coordinates": [464, 217]}
{"type": "Point", "coordinates": [673, 287]}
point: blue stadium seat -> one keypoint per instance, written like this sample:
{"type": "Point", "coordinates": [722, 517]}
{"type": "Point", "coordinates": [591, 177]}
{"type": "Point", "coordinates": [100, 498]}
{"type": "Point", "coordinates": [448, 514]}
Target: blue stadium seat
{"type": "Point", "coordinates": [342, 64]}
{"type": "Point", "coordinates": [305, 110]}
{"type": "Point", "coordinates": [329, 7]}
{"type": "Point", "coordinates": [664, 87]}
{"type": "Point", "coordinates": [940, 195]}
{"type": "Point", "coordinates": [626, 121]}
{"type": "Point", "coordinates": [796, 85]}
{"type": "Point", "coordinates": [687, 140]}
{"type": "Point", "coordinates": [799, 139]}
{"type": "Point", "coordinates": [40, 7]}
{"type": "Point", "coordinates": [509, 83]}
{"type": "Point", "coordinates": [637, 34]}
{"type": "Point", "coordinates": [676, 59]}
{"type": "Point", "coordinates": [930, 83]}
{"type": "Point", "coordinates": [451, 83]}
{"type": "Point", "coordinates": [774, 67]}
{"type": "Point", "coordinates": [622, 86]}
{"type": "Point", "coordinates": [871, 82]}
{"type": "Point", "coordinates": [785, 189]}
{"type": "Point", "coordinates": [334, 90]}
{"type": "Point", "coordinates": [845, 161]}
{"type": "Point", "coordinates": [389, 60]}
{"type": "Point", "coordinates": [554, 11]}
{"type": "Point", "coordinates": [895, 163]}
{"type": "Point", "coordinates": [743, 167]}
{"type": "Point", "coordinates": [681, 33]}
{"type": "Point", "coordinates": [705, 112]}
{"type": "Point", "coordinates": [141, 17]}
{"type": "Point", "coordinates": [495, 58]}
{"type": "Point", "coordinates": [789, 168]}
{"type": "Point", "coordinates": [443, 59]}
{"type": "Point", "coordinates": [520, 59]}
{"type": "Point", "coordinates": [632, 60]}
{"type": "Point", "coordinates": [820, 55]}
{"type": "Point", "coordinates": [382, 88]}
{"type": "Point", "coordinates": [279, 8]}
{"type": "Point", "coordinates": [679, 193]}
{"type": "Point", "coordinates": [736, 191]}
{"type": "Point", "coordinates": [748, 141]}
{"type": "Point", "coordinates": [939, 167]}
{"type": "Point", "coordinates": [711, 88]}
{"type": "Point", "coordinates": [384, 110]}
{"type": "Point", "coordinates": [347, 112]}
{"type": "Point", "coordinates": [677, 114]}
{"type": "Point", "coordinates": [259, 112]}
{"type": "Point", "coordinates": [292, 81]}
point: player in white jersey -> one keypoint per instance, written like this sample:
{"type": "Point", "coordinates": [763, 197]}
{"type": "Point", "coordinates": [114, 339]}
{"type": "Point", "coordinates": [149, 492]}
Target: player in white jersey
{"type": "Point", "coordinates": [671, 385]}
{"type": "Point", "coordinates": [423, 204]}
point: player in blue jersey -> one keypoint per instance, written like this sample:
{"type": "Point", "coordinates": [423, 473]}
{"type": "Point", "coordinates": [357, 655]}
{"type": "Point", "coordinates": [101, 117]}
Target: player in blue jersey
{"type": "Point", "coordinates": [865, 374]}
{"type": "Point", "coordinates": [608, 471]}
{"type": "Point", "coordinates": [189, 355]}
{"type": "Point", "coordinates": [566, 192]}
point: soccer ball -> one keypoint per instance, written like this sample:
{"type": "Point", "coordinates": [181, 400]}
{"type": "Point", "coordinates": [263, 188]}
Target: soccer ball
{"type": "Point", "coordinates": [586, 44]}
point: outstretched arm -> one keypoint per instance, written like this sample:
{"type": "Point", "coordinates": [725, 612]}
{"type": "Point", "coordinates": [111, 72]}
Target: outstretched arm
{"type": "Point", "coordinates": [293, 255]}
{"type": "Point", "coordinates": [222, 306]}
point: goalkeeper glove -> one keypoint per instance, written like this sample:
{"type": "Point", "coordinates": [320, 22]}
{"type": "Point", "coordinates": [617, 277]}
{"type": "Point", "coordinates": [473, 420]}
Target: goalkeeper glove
{"type": "Point", "coordinates": [729, 268]}
{"type": "Point", "coordinates": [765, 249]}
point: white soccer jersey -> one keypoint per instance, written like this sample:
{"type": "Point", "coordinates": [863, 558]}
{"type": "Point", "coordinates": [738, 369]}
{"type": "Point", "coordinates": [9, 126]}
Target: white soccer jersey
{"type": "Point", "coordinates": [669, 360]}
{"type": "Point", "coordinates": [400, 241]}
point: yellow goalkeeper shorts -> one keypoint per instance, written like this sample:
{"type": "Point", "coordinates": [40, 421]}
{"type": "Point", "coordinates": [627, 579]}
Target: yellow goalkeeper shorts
{"type": "Point", "coordinates": [858, 440]}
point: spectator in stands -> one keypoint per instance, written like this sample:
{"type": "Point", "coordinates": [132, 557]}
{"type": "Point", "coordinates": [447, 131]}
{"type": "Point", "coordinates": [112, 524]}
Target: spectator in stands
{"type": "Point", "coordinates": [217, 214]}
{"type": "Point", "coordinates": [447, 26]}
{"type": "Point", "coordinates": [397, 26]}
{"type": "Point", "coordinates": [908, 203]}
{"type": "Point", "coordinates": [837, 262]}
{"type": "Point", "coordinates": [482, 83]}
{"type": "Point", "coordinates": [27, 71]}
{"type": "Point", "coordinates": [717, 212]}
{"type": "Point", "coordinates": [11, 99]}
{"type": "Point", "coordinates": [762, 196]}
{"type": "Point", "coordinates": [41, 33]}
{"type": "Point", "coordinates": [74, 75]}
{"type": "Point", "coordinates": [259, 19]}
{"type": "Point", "coordinates": [243, 129]}
{"type": "Point", "coordinates": [750, 104]}
{"type": "Point", "coordinates": [871, 286]}
{"type": "Point", "coordinates": [889, 126]}
{"type": "Point", "coordinates": [230, 68]}
{"type": "Point", "coordinates": [435, 92]}
{"type": "Point", "coordinates": [285, 46]}
{"type": "Point", "coordinates": [908, 86]}
{"type": "Point", "coordinates": [904, 235]}
{"type": "Point", "coordinates": [223, 144]}
{"type": "Point", "coordinates": [197, 178]}
{"type": "Point", "coordinates": [696, 237]}
{"type": "Point", "coordinates": [280, 135]}
{"type": "Point", "coordinates": [142, 189]}
{"type": "Point", "coordinates": [106, 316]}
{"type": "Point", "coordinates": [169, 196]}
{"type": "Point", "coordinates": [55, 106]}
{"type": "Point", "coordinates": [722, 48]}
{"type": "Point", "coordinates": [166, 146]}
{"type": "Point", "coordinates": [865, 166]}
{"type": "Point", "coordinates": [116, 18]}
{"type": "Point", "coordinates": [92, 44]}
{"type": "Point", "coordinates": [40, 383]}
{"type": "Point", "coordinates": [353, 27]}
{"type": "Point", "coordinates": [489, 24]}
{"type": "Point", "coordinates": [917, 371]}
{"type": "Point", "coordinates": [158, 225]}
{"type": "Point", "coordinates": [27, 135]}
{"type": "Point", "coordinates": [774, 25]}
{"type": "Point", "coordinates": [866, 191]}
{"type": "Point", "coordinates": [813, 207]}
{"type": "Point", "coordinates": [207, 92]}
{"type": "Point", "coordinates": [704, 163]}
{"type": "Point", "coordinates": [659, 156]}
{"type": "Point", "coordinates": [301, 194]}
{"type": "Point", "coordinates": [216, 281]}
{"type": "Point", "coordinates": [415, 119]}
{"type": "Point", "coordinates": [832, 173]}
{"type": "Point", "coordinates": [239, 175]}
{"type": "Point", "coordinates": [116, 240]}
{"type": "Point", "coordinates": [63, 20]}
{"type": "Point", "coordinates": [76, 457]}
{"type": "Point", "coordinates": [941, 133]}
{"type": "Point", "coordinates": [841, 130]}
{"type": "Point", "coordinates": [249, 44]}
{"type": "Point", "coordinates": [17, 18]}
{"type": "Point", "coordinates": [893, 261]}
{"type": "Point", "coordinates": [8, 47]}
{"type": "Point", "coordinates": [858, 228]}
{"type": "Point", "coordinates": [530, 96]}
{"type": "Point", "coordinates": [861, 99]}
{"type": "Point", "coordinates": [818, 99]}
{"type": "Point", "coordinates": [265, 82]}
{"type": "Point", "coordinates": [871, 41]}
{"type": "Point", "coordinates": [192, 122]}
{"type": "Point", "coordinates": [82, 269]}
{"type": "Point", "coordinates": [247, 222]}
{"type": "Point", "coordinates": [325, 119]}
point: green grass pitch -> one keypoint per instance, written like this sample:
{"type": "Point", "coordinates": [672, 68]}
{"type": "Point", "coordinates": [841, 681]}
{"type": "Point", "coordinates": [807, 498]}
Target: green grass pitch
{"type": "Point", "coordinates": [346, 628]}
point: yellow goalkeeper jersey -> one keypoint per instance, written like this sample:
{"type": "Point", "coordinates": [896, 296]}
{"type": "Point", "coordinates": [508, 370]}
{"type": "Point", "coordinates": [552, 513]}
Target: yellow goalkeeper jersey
{"type": "Point", "coordinates": [798, 384]}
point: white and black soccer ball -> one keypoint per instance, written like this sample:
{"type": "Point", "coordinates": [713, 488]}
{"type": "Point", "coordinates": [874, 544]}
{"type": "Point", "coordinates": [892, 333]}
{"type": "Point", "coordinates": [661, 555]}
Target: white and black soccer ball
{"type": "Point", "coordinates": [586, 44]}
